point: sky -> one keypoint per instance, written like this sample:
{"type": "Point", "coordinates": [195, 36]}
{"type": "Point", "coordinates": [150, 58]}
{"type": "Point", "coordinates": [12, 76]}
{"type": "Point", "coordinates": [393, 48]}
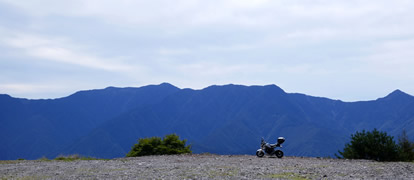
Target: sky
{"type": "Point", "coordinates": [350, 50]}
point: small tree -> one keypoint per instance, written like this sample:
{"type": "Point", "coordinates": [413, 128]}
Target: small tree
{"type": "Point", "coordinates": [406, 147]}
{"type": "Point", "coordinates": [373, 145]}
{"type": "Point", "coordinates": [171, 144]}
{"type": "Point", "coordinates": [174, 145]}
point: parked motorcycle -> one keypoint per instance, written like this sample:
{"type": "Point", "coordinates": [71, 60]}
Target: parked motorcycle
{"type": "Point", "coordinates": [270, 149]}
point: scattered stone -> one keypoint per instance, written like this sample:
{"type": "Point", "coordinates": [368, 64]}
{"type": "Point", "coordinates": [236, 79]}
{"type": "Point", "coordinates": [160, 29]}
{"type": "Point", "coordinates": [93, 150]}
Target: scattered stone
{"type": "Point", "coordinates": [207, 166]}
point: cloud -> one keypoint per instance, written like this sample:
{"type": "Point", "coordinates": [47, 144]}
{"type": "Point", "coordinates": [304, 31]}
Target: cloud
{"type": "Point", "coordinates": [174, 51]}
{"type": "Point", "coordinates": [284, 17]}
{"type": "Point", "coordinates": [294, 43]}
{"type": "Point", "coordinates": [156, 12]}
{"type": "Point", "coordinates": [32, 90]}
{"type": "Point", "coordinates": [60, 50]}
{"type": "Point", "coordinates": [198, 12]}
{"type": "Point", "coordinates": [218, 70]}
{"type": "Point", "coordinates": [393, 58]}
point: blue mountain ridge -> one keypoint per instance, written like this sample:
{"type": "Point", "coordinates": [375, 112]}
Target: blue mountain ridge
{"type": "Point", "coordinates": [227, 119]}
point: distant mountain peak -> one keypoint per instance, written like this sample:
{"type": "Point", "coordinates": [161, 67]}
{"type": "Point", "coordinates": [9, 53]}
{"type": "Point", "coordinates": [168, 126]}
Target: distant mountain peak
{"type": "Point", "coordinates": [397, 92]}
{"type": "Point", "coordinates": [5, 95]}
{"type": "Point", "coordinates": [167, 85]}
{"type": "Point", "coordinates": [275, 86]}
{"type": "Point", "coordinates": [111, 87]}
{"type": "Point", "coordinates": [164, 84]}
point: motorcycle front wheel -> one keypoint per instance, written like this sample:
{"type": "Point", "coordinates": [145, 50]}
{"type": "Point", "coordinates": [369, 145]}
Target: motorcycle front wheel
{"type": "Point", "coordinates": [279, 153]}
{"type": "Point", "coordinates": [259, 154]}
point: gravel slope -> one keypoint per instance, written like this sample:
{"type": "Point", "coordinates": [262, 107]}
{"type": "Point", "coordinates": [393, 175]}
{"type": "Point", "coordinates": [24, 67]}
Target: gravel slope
{"type": "Point", "coordinates": [206, 167]}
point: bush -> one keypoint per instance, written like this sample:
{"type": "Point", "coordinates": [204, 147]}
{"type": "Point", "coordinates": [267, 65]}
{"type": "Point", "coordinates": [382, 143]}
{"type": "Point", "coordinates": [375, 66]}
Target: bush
{"type": "Point", "coordinates": [373, 145]}
{"type": "Point", "coordinates": [171, 144]}
{"type": "Point", "coordinates": [406, 147]}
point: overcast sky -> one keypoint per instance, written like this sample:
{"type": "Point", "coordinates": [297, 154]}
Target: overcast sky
{"type": "Point", "coordinates": [344, 49]}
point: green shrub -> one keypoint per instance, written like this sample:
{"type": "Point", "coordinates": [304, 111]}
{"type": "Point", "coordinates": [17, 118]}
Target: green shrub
{"type": "Point", "coordinates": [171, 144]}
{"type": "Point", "coordinates": [406, 148]}
{"type": "Point", "coordinates": [373, 145]}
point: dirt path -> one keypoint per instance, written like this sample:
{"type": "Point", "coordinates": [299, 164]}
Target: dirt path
{"type": "Point", "coordinates": [206, 167]}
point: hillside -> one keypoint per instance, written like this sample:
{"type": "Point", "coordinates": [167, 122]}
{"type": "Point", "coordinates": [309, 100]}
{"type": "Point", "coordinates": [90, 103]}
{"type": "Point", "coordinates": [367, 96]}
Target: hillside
{"type": "Point", "coordinates": [34, 128]}
{"type": "Point", "coordinates": [207, 167]}
{"type": "Point", "coordinates": [228, 119]}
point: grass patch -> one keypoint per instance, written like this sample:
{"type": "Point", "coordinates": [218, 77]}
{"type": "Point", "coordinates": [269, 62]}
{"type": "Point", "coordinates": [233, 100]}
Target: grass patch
{"type": "Point", "coordinates": [33, 177]}
{"type": "Point", "coordinates": [74, 158]}
{"type": "Point", "coordinates": [342, 174]}
{"type": "Point", "coordinates": [223, 172]}
{"type": "Point", "coordinates": [44, 159]}
{"type": "Point", "coordinates": [286, 175]}
{"type": "Point", "coordinates": [8, 162]}
{"type": "Point", "coordinates": [289, 168]}
{"type": "Point", "coordinates": [58, 158]}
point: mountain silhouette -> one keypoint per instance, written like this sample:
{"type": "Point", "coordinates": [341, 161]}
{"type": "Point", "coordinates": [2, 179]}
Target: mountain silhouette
{"type": "Point", "coordinates": [34, 128]}
{"type": "Point", "coordinates": [227, 119]}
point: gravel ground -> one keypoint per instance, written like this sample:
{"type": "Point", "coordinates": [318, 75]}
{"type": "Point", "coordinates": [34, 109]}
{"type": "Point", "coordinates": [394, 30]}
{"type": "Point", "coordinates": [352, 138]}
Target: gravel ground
{"type": "Point", "coordinates": [206, 167]}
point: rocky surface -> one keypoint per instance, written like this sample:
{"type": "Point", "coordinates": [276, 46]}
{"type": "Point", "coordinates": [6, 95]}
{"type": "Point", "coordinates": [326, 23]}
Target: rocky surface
{"type": "Point", "coordinates": [206, 167]}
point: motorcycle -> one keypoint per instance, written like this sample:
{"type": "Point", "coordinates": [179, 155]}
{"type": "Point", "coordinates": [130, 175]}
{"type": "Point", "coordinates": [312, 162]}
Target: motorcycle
{"type": "Point", "coordinates": [270, 149]}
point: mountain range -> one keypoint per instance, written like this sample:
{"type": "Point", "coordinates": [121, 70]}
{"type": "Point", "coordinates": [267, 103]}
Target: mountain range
{"type": "Point", "coordinates": [228, 119]}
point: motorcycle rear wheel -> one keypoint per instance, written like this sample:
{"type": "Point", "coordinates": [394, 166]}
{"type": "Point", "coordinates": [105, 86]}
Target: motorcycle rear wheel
{"type": "Point", "coordinates": [279, 153]}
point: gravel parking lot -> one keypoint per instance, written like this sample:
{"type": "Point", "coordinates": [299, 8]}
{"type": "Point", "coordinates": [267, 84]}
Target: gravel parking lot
{"type": "Point", "coordinates": [206, 166]}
